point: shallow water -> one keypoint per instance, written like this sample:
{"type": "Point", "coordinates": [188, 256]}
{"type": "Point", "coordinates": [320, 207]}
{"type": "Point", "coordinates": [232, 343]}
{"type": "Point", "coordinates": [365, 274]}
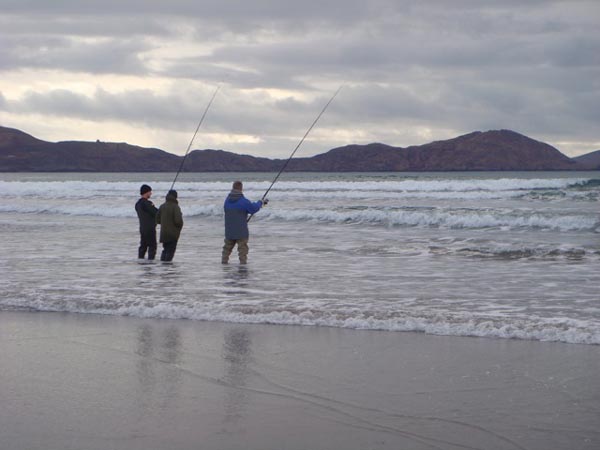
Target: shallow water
{"type": "Point", "coordinates": [511, 255]}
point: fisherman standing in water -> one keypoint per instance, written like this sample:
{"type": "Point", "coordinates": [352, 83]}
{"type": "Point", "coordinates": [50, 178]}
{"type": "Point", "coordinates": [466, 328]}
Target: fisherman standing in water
{"type": "Point", "coordinates": [170, 219]}
{"type": "Point", "coordinates": [146, 212]}
{"type": "Point", "coordinates": [237, 207]}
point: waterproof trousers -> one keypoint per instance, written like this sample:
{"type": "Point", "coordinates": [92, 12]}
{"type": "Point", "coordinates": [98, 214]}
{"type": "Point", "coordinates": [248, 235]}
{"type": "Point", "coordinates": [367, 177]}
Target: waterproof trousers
{"type": "Point", "coordinates": [168, 251]}
{"type": "Point", "coordinates": [147, 242]}
{"type": "Point", "coordinates": [242, 245]}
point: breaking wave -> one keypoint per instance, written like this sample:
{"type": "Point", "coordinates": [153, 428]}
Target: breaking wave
{"type": "Point", "coordinates": [565, 330]}
{"type": "Point", "coordinates": [440, 218]}
{"type": "Point", "coordinates": [505, 252]}
{"type": "Point", "coordinates": [87, 189]}
{"type": "Point", "coordinates": [413, 217]}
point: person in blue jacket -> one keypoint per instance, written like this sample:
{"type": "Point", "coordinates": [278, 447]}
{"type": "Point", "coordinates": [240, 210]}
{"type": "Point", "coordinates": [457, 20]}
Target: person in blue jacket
{"type": "Point", "coordinates": [237, 207]}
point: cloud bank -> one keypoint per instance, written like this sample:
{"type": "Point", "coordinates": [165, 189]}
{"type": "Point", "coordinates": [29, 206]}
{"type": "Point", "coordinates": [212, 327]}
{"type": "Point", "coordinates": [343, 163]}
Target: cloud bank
{"type": "Point", "coordinates": [143, 71]}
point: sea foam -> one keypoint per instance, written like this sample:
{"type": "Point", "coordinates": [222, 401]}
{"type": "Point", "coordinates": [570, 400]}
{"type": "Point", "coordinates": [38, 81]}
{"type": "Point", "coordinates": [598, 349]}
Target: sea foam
{"type": "Point", "coordinates": [527, 328]}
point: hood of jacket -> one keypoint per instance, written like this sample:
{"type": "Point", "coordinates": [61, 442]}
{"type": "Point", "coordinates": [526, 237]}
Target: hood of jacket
{"type": "Point", "coordinates": [234, 196]}
{"type": "Point", "coordinates": [170, 198]}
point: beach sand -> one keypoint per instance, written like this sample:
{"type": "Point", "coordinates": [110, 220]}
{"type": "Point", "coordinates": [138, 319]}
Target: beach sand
{"type": "Point", "coordinates": [71, 381]}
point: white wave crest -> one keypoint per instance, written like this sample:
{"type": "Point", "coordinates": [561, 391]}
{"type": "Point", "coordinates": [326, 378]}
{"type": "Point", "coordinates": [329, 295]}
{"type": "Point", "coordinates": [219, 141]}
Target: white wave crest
{"type": "Point", "coordinates": [88, 189]}
{"type": "Point", "coordinates": [558, 330]}
{"type": "Point", "coordinates": [436, 218]}
{"type": "Point", "coordinates": [377, 216]}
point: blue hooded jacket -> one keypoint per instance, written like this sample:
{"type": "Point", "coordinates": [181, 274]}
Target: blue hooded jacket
{"type": "Point", "coordinates": [237, 207]}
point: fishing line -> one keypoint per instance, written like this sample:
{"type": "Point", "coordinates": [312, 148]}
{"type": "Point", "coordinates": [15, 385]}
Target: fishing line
{"type": "Point", "coordinates": [299, 144]}
{"type": "Point", "coordinates": [195, 133]}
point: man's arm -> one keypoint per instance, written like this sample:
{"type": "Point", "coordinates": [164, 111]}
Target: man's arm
{"type": "Point", "coordinates": [149, 207]}
{"type": "Point", "coordinates": [178, 219]}
{"type": "Point", "coordinates": [253, 207]}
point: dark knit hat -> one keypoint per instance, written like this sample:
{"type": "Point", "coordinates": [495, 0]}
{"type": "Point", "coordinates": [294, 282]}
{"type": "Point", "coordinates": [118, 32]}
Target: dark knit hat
{"type": "Point", "coordinates": [172, 193]}
{"type": "Point", "coordinates": [145, 188]}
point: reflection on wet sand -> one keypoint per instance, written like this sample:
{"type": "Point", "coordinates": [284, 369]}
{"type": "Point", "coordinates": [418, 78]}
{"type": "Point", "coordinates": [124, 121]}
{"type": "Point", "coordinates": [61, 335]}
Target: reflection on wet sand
{"type": "Point", "coordinates": [237, 355]}
{"type": "Point", "coordinates": [157, 369]}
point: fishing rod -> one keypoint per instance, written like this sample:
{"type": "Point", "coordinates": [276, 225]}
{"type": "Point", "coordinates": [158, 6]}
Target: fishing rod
{"type": "Point", "coordinates": [298, 146]}
{"type": "Point", "coordinates": [195, 133]}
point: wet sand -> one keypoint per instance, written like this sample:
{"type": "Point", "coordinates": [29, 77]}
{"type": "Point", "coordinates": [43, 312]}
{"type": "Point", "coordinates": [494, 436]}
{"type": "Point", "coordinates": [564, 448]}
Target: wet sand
{"type": "Point", "coordinates": [70, 381]}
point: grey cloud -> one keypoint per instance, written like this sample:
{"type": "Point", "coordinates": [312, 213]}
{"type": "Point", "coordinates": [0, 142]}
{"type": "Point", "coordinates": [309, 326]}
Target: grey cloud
{"type": "Point", "coordinates": [278, 123]}
{"type": "Point", "coordinates": [102, 56]}
{"type": "Point", "coordinates": [531, 110]}
{"type": "Point", "coordinates": [391, 49]}
{"type": "Point", "coordinates": [141, 106]}
{"type": "Point", "coordinates": [178, 110]}
{"type": "Point", "coordinates": [581, 51]}
{"type": "Point", "coordinates": [369, 104]}
{"type": "Point", "coordinates": [214, 72]}
{"type": "Point", "coordinates": [375, 34]}
{"type": "Point", "coordinates": [262, 9]}
{"type": "Point", "coordinates": [42, 25]}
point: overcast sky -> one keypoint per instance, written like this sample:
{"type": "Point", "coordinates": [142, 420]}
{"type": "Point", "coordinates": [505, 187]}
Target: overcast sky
{"type": "Point", "coordinates": [414, 71]}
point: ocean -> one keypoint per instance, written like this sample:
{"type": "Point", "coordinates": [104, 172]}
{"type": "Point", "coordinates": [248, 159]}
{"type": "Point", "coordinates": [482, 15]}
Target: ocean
{"type": "Point", "coordinates": [497, 255]}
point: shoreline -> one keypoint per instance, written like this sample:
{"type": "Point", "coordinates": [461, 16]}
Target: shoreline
{"type": "Point", "coordinates": [428, 329]}
{"type": "Point", "coordinates": [73, 381]}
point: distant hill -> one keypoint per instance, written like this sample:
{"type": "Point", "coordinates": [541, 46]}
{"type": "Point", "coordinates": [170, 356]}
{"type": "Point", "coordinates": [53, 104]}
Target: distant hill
{"type": "Point", "coordinates": [480, 151]}
{"type": "Point", "coordinates": [490, 150]}
{"type": "Point", "coordinates": [222, 161]}
{"type": "Point", "coordinates": [590, 160]}
{"type": "Point", "coordinates": [20, 152]}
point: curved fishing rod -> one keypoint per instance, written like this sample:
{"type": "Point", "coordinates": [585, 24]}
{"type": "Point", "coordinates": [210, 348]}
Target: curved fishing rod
{"type": "Point", "coordinates": [195, 133]}
{"type": "Point", "coordinates": [298, 146]}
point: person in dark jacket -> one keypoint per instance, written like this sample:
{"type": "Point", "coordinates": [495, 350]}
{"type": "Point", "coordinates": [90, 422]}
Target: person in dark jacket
{"type": "Point", "coordinates": [237, 207]}
{"type": "Point", "coordinates": [146, 212]}
{"type": "Point", "coordinates": [170, 219]}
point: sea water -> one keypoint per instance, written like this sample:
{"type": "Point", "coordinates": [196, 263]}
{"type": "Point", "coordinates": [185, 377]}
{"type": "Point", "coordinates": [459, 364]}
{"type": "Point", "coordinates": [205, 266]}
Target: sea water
{"type": "Point", "coordinates": [502, 255]}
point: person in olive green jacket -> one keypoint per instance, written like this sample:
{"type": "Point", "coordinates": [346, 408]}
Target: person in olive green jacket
{"type": "Point", "coordinates": [170, 219]}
